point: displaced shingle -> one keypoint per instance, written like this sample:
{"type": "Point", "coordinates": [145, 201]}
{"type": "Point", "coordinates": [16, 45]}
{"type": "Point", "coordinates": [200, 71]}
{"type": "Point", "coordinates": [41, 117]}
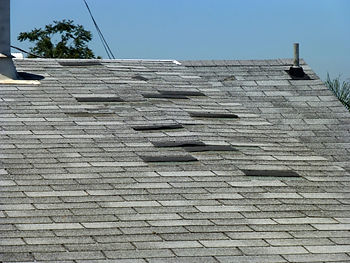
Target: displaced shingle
{"type": "Point", "coordinates": [204, 114]}
{"type": "Point", "coordinates": [207, 148]}
{"type": "Point", "coordinates": [155, 127]}
{"type": "Point", "coordinates": [271, 173]}
{"type": "Point", "coordinates": [99, 99]}
{"type": "Point", "coordinates": [188, 143]}
{"type": "Point", "coordinates": [182, 93]}
{"type": "Point", "coordinates": [168, 158]}
{"type": "Point", "coordinates": [74, 63]}
{"type": "Point", "coordinates": [139, 77]}
{"type": "Point", "coordinates": [163, 96]}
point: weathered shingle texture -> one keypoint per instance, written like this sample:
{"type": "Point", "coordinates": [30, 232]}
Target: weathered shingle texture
{"type": "Point", "coordinates": [79, 182]}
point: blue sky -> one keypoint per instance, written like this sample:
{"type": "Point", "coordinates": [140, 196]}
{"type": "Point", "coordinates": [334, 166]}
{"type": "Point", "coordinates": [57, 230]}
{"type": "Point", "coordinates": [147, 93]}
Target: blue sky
{"type": "Point", "coordinates": [205, 29]}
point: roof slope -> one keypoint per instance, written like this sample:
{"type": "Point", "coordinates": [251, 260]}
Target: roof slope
{"type": "Point", "coordinates": [157, 161]}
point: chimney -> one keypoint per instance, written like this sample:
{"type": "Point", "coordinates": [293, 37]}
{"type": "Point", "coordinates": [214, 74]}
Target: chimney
{"type": "Point", "coordinates": [7, 68]}
{"type": "Point", "coordinates": [296, 70]}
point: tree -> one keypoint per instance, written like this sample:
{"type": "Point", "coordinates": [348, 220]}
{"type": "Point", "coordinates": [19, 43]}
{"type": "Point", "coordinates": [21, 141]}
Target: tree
{"type": "Point", "coordinates": [340, 89]}
{"type": "Point", "coordinates": [62, 39]}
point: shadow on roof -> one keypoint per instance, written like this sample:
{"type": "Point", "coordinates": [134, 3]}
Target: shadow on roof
{"type": "Point", "coordinates": [29, 76]}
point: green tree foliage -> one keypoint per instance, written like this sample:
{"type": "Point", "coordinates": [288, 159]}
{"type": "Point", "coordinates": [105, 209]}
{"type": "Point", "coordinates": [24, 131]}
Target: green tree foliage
{"type": "Point", "coordinates": [340, 89]}
{"type": "Point", "coordinates": [62, 39]}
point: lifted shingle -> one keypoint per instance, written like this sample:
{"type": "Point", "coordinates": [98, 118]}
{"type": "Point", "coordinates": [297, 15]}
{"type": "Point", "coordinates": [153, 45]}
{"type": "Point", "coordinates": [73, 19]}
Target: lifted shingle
{"type": "Point", "coordinates": [156, 127]}
{"type": "Point", "coordinates": [163, 96]}
{"type": "Point", "coordinates": [208, 148]}
{"type": "Point", "coordinates": [178, 144]}
{"type": "Point", "coordinates": [181, 93]}
{"type": "Point", "coordinates": [99, 99]}
{"type": "Point", "coordinates": [205, 114]}
{"type": "Point", "coordinates": [272, 173]}
{"type": "Point", "coordinates": [79, 63]}
{"type": "Point", "coordinates": [168, 158]}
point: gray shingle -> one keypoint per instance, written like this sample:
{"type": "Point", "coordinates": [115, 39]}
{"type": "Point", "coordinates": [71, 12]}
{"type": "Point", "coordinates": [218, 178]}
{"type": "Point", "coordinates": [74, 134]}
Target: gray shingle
{"type": "Point", "coordinates": [71, 176]}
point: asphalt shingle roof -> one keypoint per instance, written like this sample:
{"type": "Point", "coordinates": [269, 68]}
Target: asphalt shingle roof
{"type": "Point", "coordinates": [227, 161]}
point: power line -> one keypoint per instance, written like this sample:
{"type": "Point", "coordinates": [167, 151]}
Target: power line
{"type": "Point", "coordinates": [103, 40]}
{"type": "Point", "coordinates": [22, 50]}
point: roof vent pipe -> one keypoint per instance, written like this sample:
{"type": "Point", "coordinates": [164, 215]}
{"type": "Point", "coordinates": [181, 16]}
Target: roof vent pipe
{"type": "Point", "coordinates": [7, 68]}
{"type": "Point", "coordinates": [296, 70]}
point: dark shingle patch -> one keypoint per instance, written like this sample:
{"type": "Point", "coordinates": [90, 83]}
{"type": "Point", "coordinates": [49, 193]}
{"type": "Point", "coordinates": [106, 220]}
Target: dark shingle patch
{"type": "Point", "coordinates": [181, 93]}
{"type": "Point", "coordinates": [168, 158]}
{"type": "Point", "coordinates": [207, 148]}
{"type": "Point", "coordinates": [204, 114]}
{"type": "Point", "coordinates": [229, 78]}
{"type": "Point", "coordinates": [157, 127]}
{"type": "Point", "coordinates": [99, 99]}
{"type": "Point", "coordinates": [139, 77]}
{"type": "Point", "coordinates": [163, 96]}
{"type": "Point", "coordinates": [193, 146]}
{"type": "Point", "coordinates": [79, 63]}
{"type": "Point", "coordinates": [270, 173]}
{"type": "Point", "coordinates": [178, 144]}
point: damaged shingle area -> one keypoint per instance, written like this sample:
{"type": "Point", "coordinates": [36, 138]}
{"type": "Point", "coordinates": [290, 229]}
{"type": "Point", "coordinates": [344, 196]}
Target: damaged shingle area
{"type": "Point", "coordinates": [168, 158]}
{"type": "Point", "coordinates": [74, 189]}
{"type": "Point", "coordinates": [188, 143]}
{"type": "Point", "coordinates": [205, 114]}
{"type": "Point", "coordinates": [139, 77]}
{"type": "Point", "coordinates": [229, 78]}
{"type": "Point", "coordinates": [79, 63]}
{"type": "Point", "coordinates": [99, 99]}
{"type": "Point", "coordinates": [157, 127]}
{"type": "Point", "coordinates": [210, 148]}
{"type": "Point", "coordinates": [182, 93]}
{"type": "Point", "coordinates": [163, 96]}
{"type": "Point", "coordinates": [193, 146]}
{"type": "Point", "coordinates": [270, 173]}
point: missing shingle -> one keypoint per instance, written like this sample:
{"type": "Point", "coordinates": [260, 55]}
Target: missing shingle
{"type": "Point", "coordinates": [209, 148]}
{"type": "Point", "coordinates": [168, 158]}
{"type": "Point", "coordinates": [181, 93]}
{"type": "Point", "coordinates": [298, 77]}
{"type": "Point", "coordinates": [204, 114]}
{"type": "Point", "coordinates": [99, 99]}
{"type": "Point", "coordinates": [79, 63]}
{"type": "Point", "coordinates": [163, 96]}
{"type": "Point", "coordinates": [178, 144]}
{"type": "Point", "coordinates": [139, 77]}
{"type": "Point", "coordinates": [270, 173]}
{"type": "Point", "coordinates": [229, 78]}
{"type": "Point", "coordinates": [157, 127]}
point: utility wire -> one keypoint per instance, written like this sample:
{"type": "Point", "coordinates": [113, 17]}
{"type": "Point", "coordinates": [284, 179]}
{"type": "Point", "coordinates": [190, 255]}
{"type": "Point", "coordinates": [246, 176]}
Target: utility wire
{"type": "Point", "coordinates": [22, 50]}
{"type": "Point", "coordinates": [103, 40]}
